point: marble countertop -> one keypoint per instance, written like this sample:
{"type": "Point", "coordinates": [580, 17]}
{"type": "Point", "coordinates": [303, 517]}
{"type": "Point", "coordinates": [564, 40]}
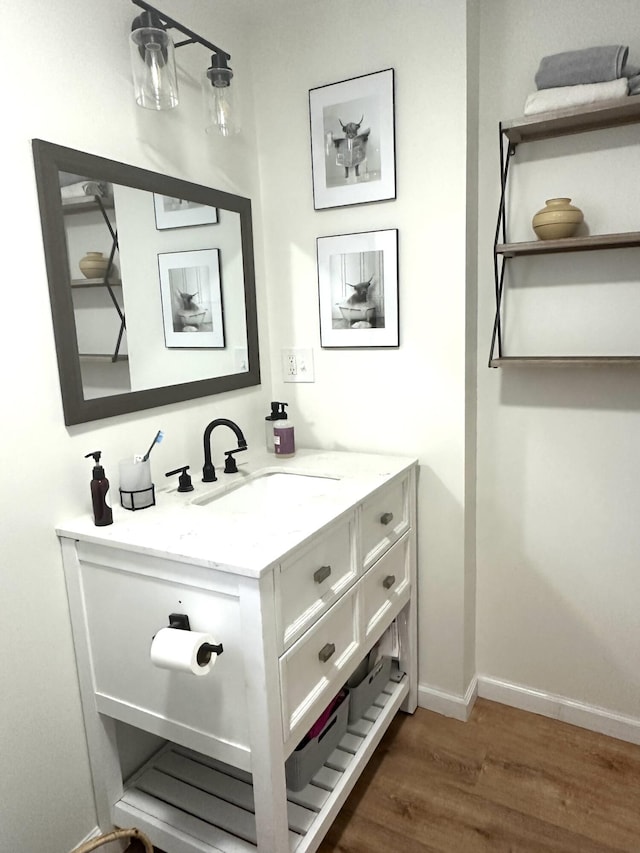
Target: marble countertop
{"type": "Point", "coordinates": [234, 537]}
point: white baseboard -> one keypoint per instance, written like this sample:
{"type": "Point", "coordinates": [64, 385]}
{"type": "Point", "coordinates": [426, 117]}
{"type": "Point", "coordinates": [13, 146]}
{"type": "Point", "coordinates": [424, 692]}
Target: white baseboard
{"type": "Point", "coordinates": [448, 704]}
{"type": "Point", "coordinates": [560, 708]}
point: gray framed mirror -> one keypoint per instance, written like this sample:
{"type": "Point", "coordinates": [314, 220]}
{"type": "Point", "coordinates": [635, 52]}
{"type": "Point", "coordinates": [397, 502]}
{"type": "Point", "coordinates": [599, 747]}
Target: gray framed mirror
{"type": "Point", "coordinates": [151, 283]}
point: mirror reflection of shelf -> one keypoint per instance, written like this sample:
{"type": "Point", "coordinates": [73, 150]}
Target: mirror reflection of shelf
{"type": "Point", "coordinates": [82, 204]}
{"type": "Point", "coordinates": [101, 203]}
{"type": "Point", "coordinates": [94, 282]}
{"type": "Point", "coordinates": [85, 356]}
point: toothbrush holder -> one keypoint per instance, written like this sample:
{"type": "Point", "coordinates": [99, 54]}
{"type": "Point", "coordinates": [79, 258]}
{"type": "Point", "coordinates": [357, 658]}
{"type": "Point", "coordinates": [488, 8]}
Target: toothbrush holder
{"type": "Point", "coordinates": [136, 489]}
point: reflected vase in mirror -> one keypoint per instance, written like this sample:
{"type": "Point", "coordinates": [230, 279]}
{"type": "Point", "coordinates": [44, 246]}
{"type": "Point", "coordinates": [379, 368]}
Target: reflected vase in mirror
{"type": "Point", "coordinates": [94, 265]}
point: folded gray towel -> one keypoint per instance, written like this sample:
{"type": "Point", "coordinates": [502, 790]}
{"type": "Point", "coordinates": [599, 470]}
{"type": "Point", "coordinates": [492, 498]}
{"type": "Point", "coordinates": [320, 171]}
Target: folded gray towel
{"type": "Point", "coordinates": [634, 85]}
{"type": "Point", "coordinates": [591, 65]}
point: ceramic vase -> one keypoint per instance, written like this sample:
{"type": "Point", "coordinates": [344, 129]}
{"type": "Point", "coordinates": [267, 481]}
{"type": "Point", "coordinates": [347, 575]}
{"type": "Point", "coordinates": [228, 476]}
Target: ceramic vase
{"type": "Point", "coordinates": [559, 218]}
{"type": "Point", "coordinates": [93, 265]}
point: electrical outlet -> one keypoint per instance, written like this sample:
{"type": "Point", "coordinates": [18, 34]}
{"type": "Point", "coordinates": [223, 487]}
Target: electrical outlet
{"type": "Point", "coordinates": [297, 365]}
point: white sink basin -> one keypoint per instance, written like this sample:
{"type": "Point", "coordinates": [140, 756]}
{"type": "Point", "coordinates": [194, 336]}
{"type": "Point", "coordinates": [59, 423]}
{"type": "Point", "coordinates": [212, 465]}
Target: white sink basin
{"type": "Point", "coordinates": [270, 491]}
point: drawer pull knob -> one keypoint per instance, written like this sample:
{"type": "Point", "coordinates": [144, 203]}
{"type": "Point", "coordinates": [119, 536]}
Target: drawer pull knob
{"type": "Point", "coordinates": [389, 581]}
{"type": "Point", "coordinates": [326, 651]}
{"type": "Point", "coordinates": [386, 518]}
{"type": "Point", "coordinates": [322, 574]}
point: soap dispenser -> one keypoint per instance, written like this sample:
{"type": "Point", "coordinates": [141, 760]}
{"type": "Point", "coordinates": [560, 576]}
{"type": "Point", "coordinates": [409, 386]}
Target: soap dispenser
{"type": "Point", "coordinates": [277, 412]}
{"type": "Point", "coordinates": [102, 512]}
{"type": "Point", "coordinates": [283, 435]}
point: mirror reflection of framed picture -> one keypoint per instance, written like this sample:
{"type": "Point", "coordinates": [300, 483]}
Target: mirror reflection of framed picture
{"type": "Point", "coordinates": [181, 213]}
{"type": "Point", "coordinates": [358, 289]}
{"type": "Point", "coordinates": [353, 141]}
{"type": "Point", "coordinates": [191, 298]}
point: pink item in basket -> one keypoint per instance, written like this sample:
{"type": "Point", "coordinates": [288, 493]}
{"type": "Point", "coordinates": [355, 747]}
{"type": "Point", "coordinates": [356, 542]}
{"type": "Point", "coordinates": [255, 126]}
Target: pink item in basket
{"type": "Point", "coordinates": [323, 719]}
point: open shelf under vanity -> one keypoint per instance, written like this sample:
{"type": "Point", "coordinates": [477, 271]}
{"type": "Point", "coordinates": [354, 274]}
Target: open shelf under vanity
{"type": "Point", "coordinates": [191, 798]}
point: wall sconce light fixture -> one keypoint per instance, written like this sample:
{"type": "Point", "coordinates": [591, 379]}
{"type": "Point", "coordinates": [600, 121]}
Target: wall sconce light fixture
{"type": "Point", "coordinates": [154, 69]}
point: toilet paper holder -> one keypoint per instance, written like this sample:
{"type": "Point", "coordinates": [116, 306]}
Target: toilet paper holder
{"type": "Point", "coordinates": [180, 621]}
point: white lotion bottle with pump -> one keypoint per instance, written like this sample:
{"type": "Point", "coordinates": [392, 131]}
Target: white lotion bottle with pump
{"type": "Point", "coordinates": [284, 443]}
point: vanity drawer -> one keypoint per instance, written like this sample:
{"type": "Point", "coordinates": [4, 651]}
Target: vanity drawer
{"type": "Point", "coordinates": [313, 669]}
{"type": "Point", "coordinates": [386, 586]}
{"type": "Point", "coordinates": [384, 518]}
{"type": "Point", "coordinates": [313, 579]}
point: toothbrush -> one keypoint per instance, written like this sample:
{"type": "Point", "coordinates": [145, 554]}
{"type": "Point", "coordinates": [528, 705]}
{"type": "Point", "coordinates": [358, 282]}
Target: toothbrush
{"type": "Point", "coordinates": [156, 440]}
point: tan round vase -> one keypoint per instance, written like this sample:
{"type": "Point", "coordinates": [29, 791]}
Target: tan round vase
{"type": "Point", "coordinates": [93, 265]}
{"type": "Point", "coordinates": [558, 219]}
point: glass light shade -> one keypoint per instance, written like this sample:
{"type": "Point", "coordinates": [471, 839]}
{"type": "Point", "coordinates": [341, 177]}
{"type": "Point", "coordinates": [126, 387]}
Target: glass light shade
{"type": "Point", "coordinates": [221, 114]}
{"type": "Point", "coordinates": [154, 68]}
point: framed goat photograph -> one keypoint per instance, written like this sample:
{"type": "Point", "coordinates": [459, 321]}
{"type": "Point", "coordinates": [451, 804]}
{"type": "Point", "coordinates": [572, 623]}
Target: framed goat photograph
{"type": "Point", "coordinates": [191, 298]}
{"type": "Point", "coordinates": [180, 213]}
{"type": "Point", "coordinates": [353, 141]}
{"type": "Point", "coordinates": [358, 289]}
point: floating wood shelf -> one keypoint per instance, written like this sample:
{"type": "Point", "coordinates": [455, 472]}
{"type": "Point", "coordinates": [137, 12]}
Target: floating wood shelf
{"type": "Point", "coordinates": [606, 114]}
{"type": "Point", "coordinates": [592, 243]}
{"type": "Point", "coordinates": [551, 360]}
{"type": "Point", "coordinates": [579, 120]}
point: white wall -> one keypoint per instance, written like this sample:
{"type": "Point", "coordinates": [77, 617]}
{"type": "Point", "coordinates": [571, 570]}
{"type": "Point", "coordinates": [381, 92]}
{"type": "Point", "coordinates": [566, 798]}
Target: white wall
{"type": "Point", "coordinates": [409, 400]}
{"type": "Point", "coordinates": [66, 73]}
{"type": "Point", "coordinates": [558, 461]}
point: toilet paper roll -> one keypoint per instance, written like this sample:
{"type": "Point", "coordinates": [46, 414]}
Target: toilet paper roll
{"type": "Point", "coordinates": [175, 649]}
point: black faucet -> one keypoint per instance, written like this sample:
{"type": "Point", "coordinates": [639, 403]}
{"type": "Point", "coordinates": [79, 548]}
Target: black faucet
{"type": "Point", "coordinates": [208, 471]}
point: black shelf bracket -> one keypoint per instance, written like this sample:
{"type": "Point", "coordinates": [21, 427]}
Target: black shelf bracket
{"type": "Point", "coordinates": [507, 150]}
{"type": "Point", "coordinates": [107, 283]}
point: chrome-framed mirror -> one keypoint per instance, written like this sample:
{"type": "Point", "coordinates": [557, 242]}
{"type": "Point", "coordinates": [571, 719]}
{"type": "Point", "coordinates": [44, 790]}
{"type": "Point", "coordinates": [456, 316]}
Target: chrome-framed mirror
{"type": "Point", "coordinates": [151, 283]}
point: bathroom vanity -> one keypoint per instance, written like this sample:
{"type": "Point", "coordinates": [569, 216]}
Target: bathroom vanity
{"type": "Point", "coordinates": [297, 567]}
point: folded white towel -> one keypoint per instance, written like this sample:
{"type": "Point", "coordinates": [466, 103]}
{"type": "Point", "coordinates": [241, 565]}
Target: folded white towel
{"type": "Point", "coordinates": [565, 97]}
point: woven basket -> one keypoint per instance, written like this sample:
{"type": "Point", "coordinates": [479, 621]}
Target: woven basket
{"type": "Point", "coordinates": [115, 836]}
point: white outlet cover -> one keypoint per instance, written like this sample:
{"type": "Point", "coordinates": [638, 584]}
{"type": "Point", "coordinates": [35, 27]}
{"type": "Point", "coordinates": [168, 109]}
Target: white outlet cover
{"type": "Point", "coordinates": [297, 365]}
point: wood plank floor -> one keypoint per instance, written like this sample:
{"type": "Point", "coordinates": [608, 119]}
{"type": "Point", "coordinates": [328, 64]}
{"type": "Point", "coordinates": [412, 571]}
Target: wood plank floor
{"type": "Point", "coordinates": [505, 781]}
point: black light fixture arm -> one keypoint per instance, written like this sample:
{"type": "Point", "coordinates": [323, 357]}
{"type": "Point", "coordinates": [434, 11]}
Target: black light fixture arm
{"type": "Point", "coordinates": [193, 38]}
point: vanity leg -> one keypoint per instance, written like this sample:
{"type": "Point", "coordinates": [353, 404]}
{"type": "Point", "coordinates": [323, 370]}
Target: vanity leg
{"type": "Point", "coordinates": [265, 716]}
{"type": "Point", "coordinates": [408, 618]}
{"type": "Point", "coordinates": [104, 758]}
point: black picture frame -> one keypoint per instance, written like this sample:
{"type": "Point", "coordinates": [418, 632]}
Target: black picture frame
{"type": "Point", "coordinates": [352, 127]}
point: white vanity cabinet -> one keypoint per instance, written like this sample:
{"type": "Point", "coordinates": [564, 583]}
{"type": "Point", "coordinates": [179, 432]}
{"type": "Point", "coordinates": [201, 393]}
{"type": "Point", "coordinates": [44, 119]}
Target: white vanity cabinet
{"type": "Point", "coordinates": [297, 599]}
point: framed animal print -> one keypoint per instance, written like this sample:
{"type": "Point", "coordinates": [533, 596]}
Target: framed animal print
{"type": "Point", "coordinates": [173, 212]}
{"type": "Point", "coordinates": [353, 141]}
{"type": "Point", "coordinates": [191, 299]}
{"type": "Point", "coordinates": [358, 289]}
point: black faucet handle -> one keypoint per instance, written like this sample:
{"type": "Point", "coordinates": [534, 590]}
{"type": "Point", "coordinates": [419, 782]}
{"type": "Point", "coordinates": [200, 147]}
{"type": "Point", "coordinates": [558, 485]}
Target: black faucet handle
{"type": "Point", "coordinates": [184, 482]}
{"type": "Point", "coordinates": [230, 464]}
